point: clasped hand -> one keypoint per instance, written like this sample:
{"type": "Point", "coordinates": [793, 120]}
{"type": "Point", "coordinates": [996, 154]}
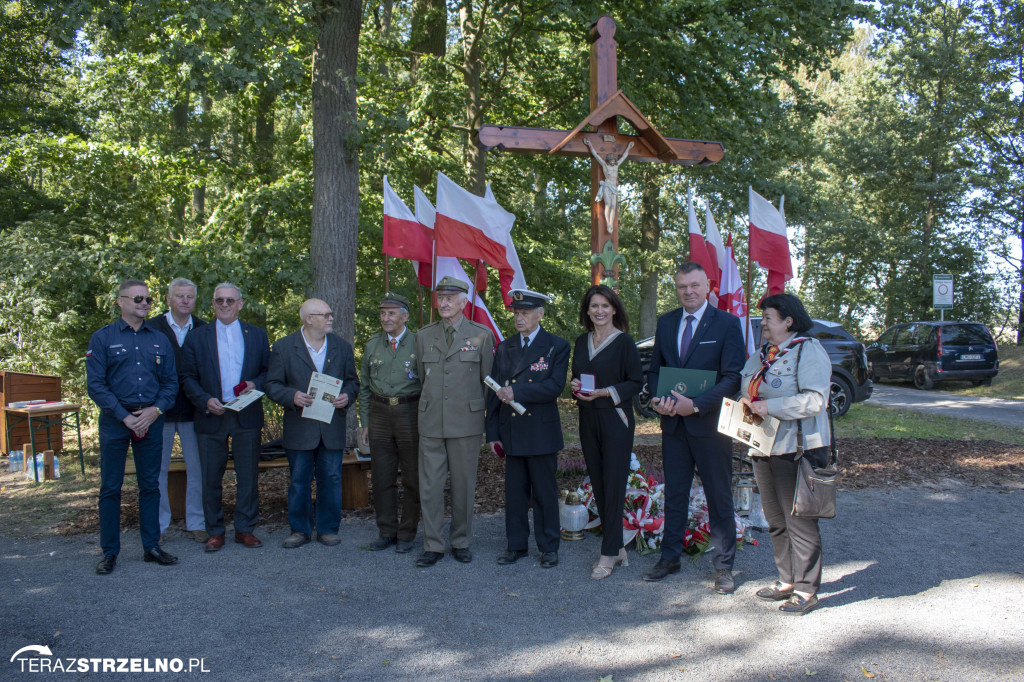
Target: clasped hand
{"type": "Point", "coordinates": [587, 397]}
{"type": "Point", "coordinates": [674, 405]}
{"type": "Point", "coordinates": [139, 421]}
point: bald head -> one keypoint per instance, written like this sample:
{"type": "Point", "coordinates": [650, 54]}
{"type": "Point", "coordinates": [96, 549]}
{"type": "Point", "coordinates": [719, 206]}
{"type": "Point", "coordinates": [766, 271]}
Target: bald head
{"type": "Point", "coordinates": [317, 318]}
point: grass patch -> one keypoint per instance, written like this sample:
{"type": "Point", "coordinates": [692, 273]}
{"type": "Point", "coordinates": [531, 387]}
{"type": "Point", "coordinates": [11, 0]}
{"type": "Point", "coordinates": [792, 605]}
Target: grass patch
{"type": "Point", "coordinates": [865, 420]}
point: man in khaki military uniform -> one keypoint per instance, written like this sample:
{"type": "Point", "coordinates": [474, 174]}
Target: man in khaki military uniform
{"type": "Point", "coordinates": [453, 357]}
{"type": "Point", "coordinates": [387, 411]}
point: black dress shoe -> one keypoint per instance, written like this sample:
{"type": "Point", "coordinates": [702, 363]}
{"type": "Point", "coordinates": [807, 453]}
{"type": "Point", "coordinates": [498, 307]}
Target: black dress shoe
{"type": "Point", "coordinates": [106, 564]}
{"type": "Point", "coordinates": [161, 557]}
{"type": "Point", "coordinates": [381, 543]}
{"type": "Point", "coordinates": [798, 606]}
{"type": "Point", "coordinates": [661, 570]}
{"type": "Point", "coordinates": [773, 593]}
{"type": "Point", "coordinates": [462, 554]}
{"type": "Point", "coordinates": [511, 556]}
{"type": "Point", "coordinates": [429, 559]}
{"type": "Point", "coordinates": [549, 559]}
{"type": "Point", "coordinates": [724, 584]}
{"type": "Point", "coordinates": [405, 546]}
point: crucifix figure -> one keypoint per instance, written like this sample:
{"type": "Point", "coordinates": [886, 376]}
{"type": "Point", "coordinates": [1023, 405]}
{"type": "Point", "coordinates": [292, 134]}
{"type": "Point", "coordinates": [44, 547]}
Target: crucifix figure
{"type": "Point", "coordinates": [608, 192]}
{"type": "Point", "coordinates": [608, 147]}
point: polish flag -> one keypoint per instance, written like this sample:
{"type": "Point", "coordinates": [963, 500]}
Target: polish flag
{"type": "Point", "coordinates": [698, 248]}
{"type": "Point", "coordinates": [425, 216]}
{"type": "Point", "coordinates": [769, 243]}
{"type": "Point", "coordinates": [714, 243]}
{"type": "Point", "coordinates": [477, 228]}
{"type": "Point", "coordinates": [404, 236]}
{"type": "Point", "coordinates": [731, 296]}
{"type": "Point", "coordinates": [446, 265]}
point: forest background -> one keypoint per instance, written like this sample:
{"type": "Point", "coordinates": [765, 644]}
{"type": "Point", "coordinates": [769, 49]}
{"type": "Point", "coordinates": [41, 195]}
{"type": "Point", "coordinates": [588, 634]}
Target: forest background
{"type": "Point", "coordinates": [247, 141]}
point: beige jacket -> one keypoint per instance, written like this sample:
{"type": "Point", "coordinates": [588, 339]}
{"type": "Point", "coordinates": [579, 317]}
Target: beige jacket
{"type": "Point", "coordinates": [453, 399]}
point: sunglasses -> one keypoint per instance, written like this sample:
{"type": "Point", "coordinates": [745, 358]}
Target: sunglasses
{"type": "Point", "coordinates": [140, 299]}
{"type": "Point", "coordinates": [327, 316]}
{"type": "Point", "coordinates": [228, 301]}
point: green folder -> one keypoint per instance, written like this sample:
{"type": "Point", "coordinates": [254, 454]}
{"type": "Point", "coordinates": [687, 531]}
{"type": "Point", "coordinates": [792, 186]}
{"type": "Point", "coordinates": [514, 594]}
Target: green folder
{"type": "Point", "coordinates": [688, 382]}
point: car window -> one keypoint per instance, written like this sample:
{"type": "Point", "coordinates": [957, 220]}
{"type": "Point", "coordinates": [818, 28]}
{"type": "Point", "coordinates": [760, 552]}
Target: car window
{"type": "Point", "coordinates": [923, 334]}
{"type": "Point", "coordinates": [824, 333]}
{"type": "Point", "coordinates": [965, 334]}
{"type": "Point", "coordinates": [905, 335]}
{"type": "Point", "coordinates": [886, 338]}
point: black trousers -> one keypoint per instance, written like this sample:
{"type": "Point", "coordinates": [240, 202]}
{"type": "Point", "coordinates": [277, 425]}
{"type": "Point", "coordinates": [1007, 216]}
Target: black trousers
{"type": "Point", "coordinates": [796, 541]}
{"type": "Point", "coordinates": [607, 444]}
{"type": "Point", "coordinates": [213, 455]}
{"type": "Point", "coordinates": [526, 476]}
{"type": "Point", "coordinates": [711, 456]}
{"type": "Point", "coordinates": [395, 445]}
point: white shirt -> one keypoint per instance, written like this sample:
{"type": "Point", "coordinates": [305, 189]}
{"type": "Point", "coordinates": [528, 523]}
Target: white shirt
{"type": "Point", "coordinates": [530, 337]}
{"type": "Point", "coordinates": [397, 339]}
{"type": "Point", "coordinates": [317, 356]}
{"type": "Point", "coordinates": [693, 325]}
{"type": "Point", "coordinates": [230, 351]}
{"type": "Point", "coordinates": [179, 332]}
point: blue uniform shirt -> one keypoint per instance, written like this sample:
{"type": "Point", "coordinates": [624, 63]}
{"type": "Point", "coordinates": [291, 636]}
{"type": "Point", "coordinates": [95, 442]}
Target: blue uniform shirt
{"type": "Point", "coordinates": [128, 368]}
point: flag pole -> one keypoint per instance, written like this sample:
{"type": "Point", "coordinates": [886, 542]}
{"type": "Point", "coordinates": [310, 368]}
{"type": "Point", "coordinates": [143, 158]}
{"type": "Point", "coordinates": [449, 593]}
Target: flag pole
{"type": "Point", "coordinates": [476, 277]}
{"type": "Point", "coordinates": [750, 296]}
{"type": "Point", "coordinates": [387, 277]}
{"type": "Point", "coordinates": [419, 292]}
{"type": "Point", "coordinates": [433, 269]}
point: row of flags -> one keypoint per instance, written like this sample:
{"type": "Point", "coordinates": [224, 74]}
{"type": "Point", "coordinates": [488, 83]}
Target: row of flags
{"type": "Point", "coordinates": [464, 225]}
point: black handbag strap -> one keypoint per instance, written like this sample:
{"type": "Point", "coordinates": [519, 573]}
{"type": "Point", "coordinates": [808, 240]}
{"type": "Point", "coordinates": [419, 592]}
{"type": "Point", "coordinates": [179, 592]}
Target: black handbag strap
{"type": "Point", "coordinates": [833, 451]}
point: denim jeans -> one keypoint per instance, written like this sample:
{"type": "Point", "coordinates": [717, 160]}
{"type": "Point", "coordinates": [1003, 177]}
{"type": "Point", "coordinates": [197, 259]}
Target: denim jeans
{"type": "Point", "coordinates": [326, 465]}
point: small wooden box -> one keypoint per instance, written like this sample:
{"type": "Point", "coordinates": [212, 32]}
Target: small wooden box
{"type": "Point", "coordinates": [17, 386]}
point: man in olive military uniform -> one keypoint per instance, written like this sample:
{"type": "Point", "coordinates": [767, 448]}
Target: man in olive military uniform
{"type": "Point", "coordinates": [387, 411]}
{"type": "Point", "coordinates": [531, 367]}
{"type": "Point", "coordinates": [453, 356]}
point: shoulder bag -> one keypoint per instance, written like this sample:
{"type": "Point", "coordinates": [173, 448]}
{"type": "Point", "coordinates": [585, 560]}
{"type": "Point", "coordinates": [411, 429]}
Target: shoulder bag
{"type": "Point", "coordinates": [815, 494]}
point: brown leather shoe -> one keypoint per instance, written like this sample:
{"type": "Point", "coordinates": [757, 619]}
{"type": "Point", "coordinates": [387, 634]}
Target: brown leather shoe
{"type": "Point", "coordinates": [248, 539]}
{"type": "Point", "coordinates": [214, 543]}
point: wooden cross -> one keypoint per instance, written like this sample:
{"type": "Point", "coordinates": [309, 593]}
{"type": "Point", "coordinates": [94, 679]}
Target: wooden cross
{"type": "Point", "coordinates": [607, 104]}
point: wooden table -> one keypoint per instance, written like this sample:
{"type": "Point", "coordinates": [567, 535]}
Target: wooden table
{"type": "Point", "coordinates": [354, 491]}
{"type": "Point", "coordinates": [43, 417]}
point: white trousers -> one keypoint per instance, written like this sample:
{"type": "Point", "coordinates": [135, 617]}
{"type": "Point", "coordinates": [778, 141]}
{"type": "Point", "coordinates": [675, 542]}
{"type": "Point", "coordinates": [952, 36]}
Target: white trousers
{"type": "Point", "coordinates": [194, 519]}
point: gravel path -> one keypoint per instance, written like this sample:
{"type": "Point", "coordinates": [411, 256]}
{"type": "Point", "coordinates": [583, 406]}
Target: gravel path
{"type": "Point", "coordinates": [934, 596]}
{"type": "Point", "coordinates": [995, 410]}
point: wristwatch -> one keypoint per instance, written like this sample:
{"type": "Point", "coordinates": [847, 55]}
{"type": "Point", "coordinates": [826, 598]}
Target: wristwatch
{"type": "Point", "coordinates": [159, 412]}
{"type": "Point", "coordinates": [696, 410]}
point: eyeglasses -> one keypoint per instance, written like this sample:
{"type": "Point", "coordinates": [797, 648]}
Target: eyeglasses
{"type": "Point", "coordinates": [326, 316]}
{"type": "Point", "coordinates": [228, 301]}
{"type": "Point", "coordinates": [139, 299]}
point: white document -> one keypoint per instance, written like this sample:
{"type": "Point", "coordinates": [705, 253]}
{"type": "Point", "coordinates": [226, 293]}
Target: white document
{"type": "Point", "coordinates": [490, 383]}
{"type": "Point", "coordinates": [733, 423]}
{"type": "Point", "coordinates": [323, 388]}
{"type": "Point", "coordinates": [244, 400]}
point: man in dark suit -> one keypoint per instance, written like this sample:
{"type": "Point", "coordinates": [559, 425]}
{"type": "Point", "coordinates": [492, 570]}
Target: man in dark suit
{"type": "Point", "coordinates": [313, 445]}
{"type": "Point", "coordinates": [697, 336]}
{"type": "Point", "coordinates": [223, 360]}
{"type": "Point", "coordinates": [176, 323]}
{"type": "Point", "coordinates": [531, 368]}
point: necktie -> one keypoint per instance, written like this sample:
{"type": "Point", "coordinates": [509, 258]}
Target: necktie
{"type": "Point", "coordinates": [394, 345]}
{"type": "Point", "coordinates": [449, 334]}
{"type": "Point", "coordinates": [684, 344]}
{"type": "Point", "coordinates": [526, 342]}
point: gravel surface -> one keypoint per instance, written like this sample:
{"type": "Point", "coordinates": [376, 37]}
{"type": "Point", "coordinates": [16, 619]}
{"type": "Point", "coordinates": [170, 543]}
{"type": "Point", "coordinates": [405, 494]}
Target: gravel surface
{"type": "Point", "coordinates": [920, 584]}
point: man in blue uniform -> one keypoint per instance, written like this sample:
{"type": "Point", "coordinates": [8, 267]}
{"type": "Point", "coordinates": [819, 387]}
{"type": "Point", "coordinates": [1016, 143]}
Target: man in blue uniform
{"type": "Point", "coordinates": [531, 367]}
{"type": "Point", "coordinates": [131, 377]}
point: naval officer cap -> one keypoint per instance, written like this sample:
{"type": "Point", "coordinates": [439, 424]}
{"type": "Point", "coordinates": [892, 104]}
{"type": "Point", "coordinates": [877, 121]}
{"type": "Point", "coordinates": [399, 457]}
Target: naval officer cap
{"type": "Point", "coordinates": [451, 285]}
{"type": "Point", "coordinates": [393, 300]}
{"type": "Point", "coordinates": [527, 300]}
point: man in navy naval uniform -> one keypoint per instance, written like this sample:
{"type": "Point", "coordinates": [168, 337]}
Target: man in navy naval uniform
{"type": "Point", "coordinates": [531, 368]}
{"type": "Point", "coordinates": [131, 377]}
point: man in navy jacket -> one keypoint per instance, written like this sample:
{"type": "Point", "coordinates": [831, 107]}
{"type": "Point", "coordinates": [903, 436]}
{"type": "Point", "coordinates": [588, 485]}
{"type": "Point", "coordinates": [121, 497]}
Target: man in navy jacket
{"type": "Point", "coordinates": [697, 336]}
{"type": "Point", "coordinates": [223, 360]}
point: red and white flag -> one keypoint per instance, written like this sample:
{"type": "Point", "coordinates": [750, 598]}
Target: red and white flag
{"type": "Point", "coordinates": [404, 236]}
{"type": "Point", "coordinates": [731, 297]}
{"type": "Point", "coordinates": [446, 265]}
{"type": "Point", "coordinates": [698, 248]}
{"type": "Point", "coordinates": [477, 228]}
{"type": "Point", "coordinates": [769, 242]}
{"type": "Point", "coordinates": [716, 249]}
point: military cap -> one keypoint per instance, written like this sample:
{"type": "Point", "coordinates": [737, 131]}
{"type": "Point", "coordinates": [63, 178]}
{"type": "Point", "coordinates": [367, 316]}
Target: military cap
{"type": "Point", "coordinates": [393, 300]}
{"type": "Point", "coordinates": [528, 300]}
{"type": "Point", "coordinates": [451, 285]}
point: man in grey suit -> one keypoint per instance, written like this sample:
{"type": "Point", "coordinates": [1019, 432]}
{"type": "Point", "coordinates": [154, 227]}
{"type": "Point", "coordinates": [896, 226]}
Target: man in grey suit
{"type": "Point", "coordinates": [313, 445]}
{"type": "Point", "coordinates": [453, 357]}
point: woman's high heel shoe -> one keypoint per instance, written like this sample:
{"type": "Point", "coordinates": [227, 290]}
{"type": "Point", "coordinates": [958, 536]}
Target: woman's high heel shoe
{"type": "Point", "coordinates": [599, 572]}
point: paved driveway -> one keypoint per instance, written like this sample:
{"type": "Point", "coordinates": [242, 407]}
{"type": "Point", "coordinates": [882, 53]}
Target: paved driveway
{"type": "Point", "coordinates": [995, 410]}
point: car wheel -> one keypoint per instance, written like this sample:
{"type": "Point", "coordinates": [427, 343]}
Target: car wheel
{"type": "Point", "coordinates": [642, 403]}
{"type": "Point", "coordinates": [840, 397]}
{"type": "Point", "coordinates": [922, 380]}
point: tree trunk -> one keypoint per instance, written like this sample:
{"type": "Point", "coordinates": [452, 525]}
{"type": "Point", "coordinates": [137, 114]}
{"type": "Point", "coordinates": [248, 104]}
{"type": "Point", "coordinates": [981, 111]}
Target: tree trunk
{"type": "Point", "coordinates": [335, 229]}
{"type": "Point", "coordinates": [199, 192]}
{"type": "Point", "coordinates": [179, 141]}
{"type": "Point", "coordinates": [475, 158]}
{"type": "Point", "coordinates": [265, 136]}
{"type": "Point", "coordinates": [650, 237]}
{"type": "Point", "coordinates": [429, 28]}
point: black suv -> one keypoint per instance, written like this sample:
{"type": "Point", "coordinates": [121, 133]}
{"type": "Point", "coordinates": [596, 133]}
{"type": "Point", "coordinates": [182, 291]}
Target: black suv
{"type": "Point", "coordinates": [851, 382]}
{"type": "Point", "coordinates": [935, 351]}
